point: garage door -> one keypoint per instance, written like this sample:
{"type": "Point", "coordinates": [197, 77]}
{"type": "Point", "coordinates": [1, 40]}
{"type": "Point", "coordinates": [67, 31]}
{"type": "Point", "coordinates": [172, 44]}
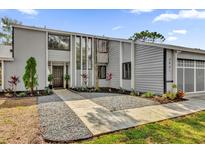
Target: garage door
{"type": "Point", "coordinates": [191, 75]}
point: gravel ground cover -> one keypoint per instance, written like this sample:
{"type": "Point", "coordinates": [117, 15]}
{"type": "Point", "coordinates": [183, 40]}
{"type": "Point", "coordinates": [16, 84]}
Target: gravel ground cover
{"type": "Point", "coordinates": [59, 122]}
{"type": "Point", "coordinates": [115, 102]}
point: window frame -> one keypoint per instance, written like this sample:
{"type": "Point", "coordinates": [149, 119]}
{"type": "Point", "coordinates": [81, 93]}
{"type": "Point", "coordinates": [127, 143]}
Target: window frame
{"type": "Point", "coordinates": [128, 76]}
{"type": "Point", "coordinates": [106, 46]}
{"type": "Point", "coordinates": [69, 43]}
{"type": "Point", "coordinates": [99, 76]}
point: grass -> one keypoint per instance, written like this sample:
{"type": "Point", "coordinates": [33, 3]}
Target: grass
{"type": "Point", "coordinates": [19, 121]}
{"type": "Point", "coordinates": [188, 129]}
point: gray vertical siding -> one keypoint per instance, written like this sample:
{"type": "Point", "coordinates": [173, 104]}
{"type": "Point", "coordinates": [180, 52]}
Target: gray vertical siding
{"type": "Point", "coordinates": [114, 63]}
{"type": "Point", "coordinates": [73, 61]}
{"type": "Point", "coordinates": [149, 69]}
{"type": "Point", "coordinates": [27, 43]}
{"type": "Point", "coordinates": [126, 57]}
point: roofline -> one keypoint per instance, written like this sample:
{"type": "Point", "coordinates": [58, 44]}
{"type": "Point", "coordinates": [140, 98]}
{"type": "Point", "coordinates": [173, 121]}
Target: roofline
{"type": "Point", "coordinates": [167, 46]}
{"type": "Point", "coordinates": [69, 33]}
{"type": "Point", "coordinates": [172, 47]}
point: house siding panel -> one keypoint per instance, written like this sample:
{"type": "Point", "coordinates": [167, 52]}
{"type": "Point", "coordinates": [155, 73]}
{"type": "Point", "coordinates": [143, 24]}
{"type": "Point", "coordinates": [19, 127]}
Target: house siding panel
{"type": "Point", "coordinates": [58, 55]}
{"type": "Point", "coordinates": [149, 69]}
{"type": "Point", "coordinates": [114, 63]}
{"type": "Point", "coordinates": [27, 43]}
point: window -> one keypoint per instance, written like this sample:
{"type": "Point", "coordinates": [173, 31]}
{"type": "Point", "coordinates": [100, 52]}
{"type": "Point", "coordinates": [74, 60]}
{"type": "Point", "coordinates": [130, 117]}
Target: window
{"type": "Point", "coordinates": [102, 72]}
{"type": "Point", "coordinates": [102, 46]}
{"type": "Point", "coordinates": [58, 42]}
{"type": "Point", "coordinates": [126, 70]}
{"type": "Point", "coordinates": [84, 53]}
{"type": "Point", "coordinates": [89, 43]}
{"type": "Point", "coordinates": [78, 53]}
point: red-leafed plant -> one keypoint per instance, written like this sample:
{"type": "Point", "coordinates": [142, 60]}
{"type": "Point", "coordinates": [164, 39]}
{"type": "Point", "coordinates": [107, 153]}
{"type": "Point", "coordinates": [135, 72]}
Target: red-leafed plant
{"type": "Point", "coordinates": [109, 78]}
{"type": "Point", "coordinates": [85, 78]}
{"type": "Point", "coordinates": [14, 80]}
{"type": "Point", "coordinates": [180, 94]}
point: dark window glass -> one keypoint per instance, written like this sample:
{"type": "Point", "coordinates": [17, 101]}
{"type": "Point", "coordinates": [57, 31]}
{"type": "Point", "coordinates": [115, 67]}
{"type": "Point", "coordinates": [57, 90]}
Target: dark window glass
{"type": "Point", "coordinates": [78, 53]}
{"type": "Point", "coordinates": [58, 42]}
{"type": "Point", "coordinates": [126, 70]}
{"type": "Point", "coordinates": [102, 72]}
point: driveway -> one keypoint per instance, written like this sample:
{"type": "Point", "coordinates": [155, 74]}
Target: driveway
{"type": "Point", "coordinates": [95, 114]}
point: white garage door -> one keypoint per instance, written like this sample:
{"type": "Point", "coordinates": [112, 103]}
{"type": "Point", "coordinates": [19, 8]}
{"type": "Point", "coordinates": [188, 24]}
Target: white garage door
{"type": "Point", "coordinates": [191, 75]}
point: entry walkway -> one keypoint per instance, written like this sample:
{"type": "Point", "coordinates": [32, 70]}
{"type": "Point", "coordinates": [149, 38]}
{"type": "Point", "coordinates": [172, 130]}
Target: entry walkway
{"type": "Point", "coordinates": [100, 120]}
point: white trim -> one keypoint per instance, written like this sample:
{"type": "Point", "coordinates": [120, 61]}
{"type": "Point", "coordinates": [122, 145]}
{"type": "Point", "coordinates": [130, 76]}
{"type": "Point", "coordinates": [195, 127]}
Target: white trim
{"type": "Point", "coordinates": [93, 62]}
{"type": "Point", "coordinates": [64, 73]}
{"type": "Point", "coordinates": [2, 74]}
{"type": "Point", "coordinates": [81, 62]}
{"type": "Point", "coordinates": [121, 64]}
{"type": "Point", "coordinates": [87, 60]}
{"type": "Point", "coordinates": [46, 59]}
{"type": "Point", "coordinates": [132, 66]}
{"type": "Point", "coordinates": [194, 76]}
{"type": "Point", "coordinates": [75, 63]}
{"type": "Point", "coordinates": [51, 67]}
{"type": "Point", "coordinates": [71, 62]}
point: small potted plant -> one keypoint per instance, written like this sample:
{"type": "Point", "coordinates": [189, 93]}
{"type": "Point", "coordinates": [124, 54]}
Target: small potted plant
{"type": "Point", "coordinates": [67, 78]}
{"type": "Point", "coordinates": [50, 79]}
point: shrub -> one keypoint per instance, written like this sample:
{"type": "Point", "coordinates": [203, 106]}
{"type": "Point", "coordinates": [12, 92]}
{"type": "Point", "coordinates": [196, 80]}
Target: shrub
{"type": "Point", "coordinates": [180, 94]}
{"type": "Point", "coordinates": [148, 95]}
{"type": "Point", "coordinates": [30, 77]}
{"type": "Point", "coordinates": [22, 94]}
{"type": "Point", "coordinates": [48, 91]}
{"type": "Point", "coordinates": [14, 80]}
{"type": "Point", "coordinates": [170, 95]}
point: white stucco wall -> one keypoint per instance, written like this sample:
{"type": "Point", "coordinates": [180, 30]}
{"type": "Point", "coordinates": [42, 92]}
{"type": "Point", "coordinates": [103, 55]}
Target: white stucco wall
{"type": "Point", "coordinates": [27, 43]}
{"type": "Point", "coordinates": [5, 51]}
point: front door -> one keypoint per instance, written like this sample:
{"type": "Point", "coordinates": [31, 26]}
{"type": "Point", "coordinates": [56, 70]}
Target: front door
{"type": "Point", "coordinates": [57, 76]}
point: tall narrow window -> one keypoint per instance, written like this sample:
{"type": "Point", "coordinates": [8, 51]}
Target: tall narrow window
{"type": "Point", "coordinates": [126, 70]}
{"type": "Point", "coordinates": [102, 46]}
{"type": "Point", "coordinates": [84, 53]}
{"type": "Point", "coordinates": [89, 43]}
{"type": "Point", "coordinates": [78, 53]}
{"type": "Point", "coordinates": [102, 72]}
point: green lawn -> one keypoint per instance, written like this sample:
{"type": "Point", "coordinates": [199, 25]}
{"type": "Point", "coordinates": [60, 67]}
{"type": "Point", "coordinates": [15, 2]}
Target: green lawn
{"type": "Point", "coordinates": [189, 129]}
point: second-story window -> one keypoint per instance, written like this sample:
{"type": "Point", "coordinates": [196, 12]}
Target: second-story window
{"type": "Point", "coordinates": [102, 46]}
{"type": "Point", "coordinates": [58, 42]}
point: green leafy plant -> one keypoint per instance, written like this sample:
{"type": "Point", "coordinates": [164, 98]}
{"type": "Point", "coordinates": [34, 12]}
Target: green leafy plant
{"type": "Point", "coordinates": [148, 95]}
{"type": "Point", "coordinates": [67, 78]}
{"type": "Point", "coordinates": [22, 94]}
{"type": "Point", "coordinates": [170, 95]}
{"type": "Point", "coordinates": [50, 80]}
{"type": "Point", "coordinates": [30, 77]}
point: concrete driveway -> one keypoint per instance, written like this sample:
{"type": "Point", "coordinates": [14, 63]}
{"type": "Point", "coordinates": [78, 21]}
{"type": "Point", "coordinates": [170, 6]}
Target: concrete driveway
{"type": "Point", "coordinates": [99, 119]}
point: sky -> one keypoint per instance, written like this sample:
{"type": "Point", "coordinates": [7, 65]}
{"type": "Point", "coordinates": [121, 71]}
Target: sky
{"type": "Point", "coordinates": [180, 27]}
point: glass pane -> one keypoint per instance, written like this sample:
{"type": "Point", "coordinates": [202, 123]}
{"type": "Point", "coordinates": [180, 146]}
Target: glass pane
{"type": "Point", "coordinates": [200, 64]}
{"type": "Point", "coordinates": [58, 42]}
{"type": "Point", "coordinates": [180, 62]}
{"type": "Point", "coordinates": [89, 54]}
{"type": "Point", "coordinates": [188, 63]}
{"type": "Point", "coordinates": [199, 79]}
{"type": "Point", "coordinates": [189, 80]}
{"type": "Point", "coordinates": [78, 53]}
{"type": "Point", "coordinates": [84, 53]}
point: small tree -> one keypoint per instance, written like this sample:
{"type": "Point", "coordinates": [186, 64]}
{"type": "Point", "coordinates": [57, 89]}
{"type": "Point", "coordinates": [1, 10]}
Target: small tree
{"type": "Point", "coordinates": [30, 76]}
{"type": "Point", "coordinates": [50, 80]}
{"type": "Point", "coordinates": [67, 78]}
{"type": "Point", "coordinates": [14, 80]}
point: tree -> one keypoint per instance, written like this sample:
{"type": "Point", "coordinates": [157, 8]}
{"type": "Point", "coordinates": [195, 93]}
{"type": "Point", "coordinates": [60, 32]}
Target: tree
{"type": "Point", "coordinates": [6, 30]}
{"type": "Point", "coordinates": [147, 36]}
{"type": "Point", "coordinates": [30, 76]}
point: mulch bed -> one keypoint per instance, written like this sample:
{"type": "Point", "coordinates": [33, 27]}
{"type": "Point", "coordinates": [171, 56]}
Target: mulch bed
{"type": "Point", "coordinates": [165, 101]}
